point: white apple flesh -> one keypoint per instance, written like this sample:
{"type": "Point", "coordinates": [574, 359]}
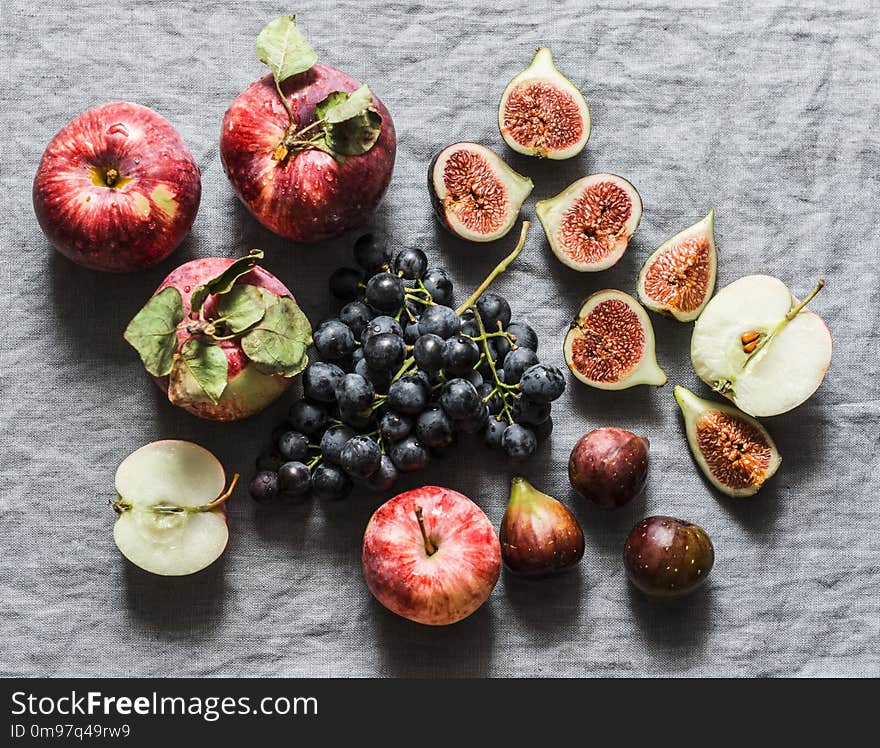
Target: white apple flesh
{"type": "Point", "coordinates": [431, 555]}
{"type": "Point", "coordinates": [170, 495]}
{"type": "Point", "coordinates": [787, 355]}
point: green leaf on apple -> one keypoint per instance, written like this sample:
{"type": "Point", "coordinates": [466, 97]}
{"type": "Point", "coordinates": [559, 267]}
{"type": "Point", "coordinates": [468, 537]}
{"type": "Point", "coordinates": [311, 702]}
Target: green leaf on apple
{"type": "Point", "coordinates": [284, 49]}
{"type": "Point", "coordinates": [241, 308]}
{"type": "Point", "coordinates": [351, 126]}
{"type": "Point", "coordinates": [203, 364]}
{"type": "Point", "coordinates": [277, 343]}
{"type": "Point", "coordinates": [340, 106]}
{"type": "Point", "coordinates": [224, 282]}
{"type": "Point", "coordinates": [153, 331]}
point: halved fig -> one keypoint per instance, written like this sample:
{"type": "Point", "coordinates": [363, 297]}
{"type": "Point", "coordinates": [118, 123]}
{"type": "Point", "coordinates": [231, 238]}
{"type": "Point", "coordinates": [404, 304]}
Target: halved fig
{"type": "Point", "coordinates": [733, 450]}
{"type": "Point", "coordinates": [475, 194]}
{"type": "Point", "coordinates": [542, 113]}
{"type": "Point", "coordinates": [679, 277]}
{"type": "Point", "coordinates": [611, 343]}
{"type": "Point", "coordinates": [590, 222]}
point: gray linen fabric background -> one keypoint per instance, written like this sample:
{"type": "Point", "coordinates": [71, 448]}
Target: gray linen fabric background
{"type": "Point", "coordinates": [766, 112]}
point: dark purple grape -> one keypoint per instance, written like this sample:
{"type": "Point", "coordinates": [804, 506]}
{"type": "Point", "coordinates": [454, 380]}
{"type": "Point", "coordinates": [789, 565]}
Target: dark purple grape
{"type": "Point", "coordinates": [334, 440]}
{"type": "Point", "coordinates": [409, 454]}
{"type": "Point", "coordinates": [439, 285]}
{"type": "Point", "coordinates": [411, 263]}
{"type": "Point", "coordinates": [345, 283]}
{"type": "Point", "coordinates": [516, 362]}
{"type": "Point", "coordinates": [385, 477]}
{"type": "Point", "coordinates": [294, 480]}
{"type": "Point", "coordinates": [333, 340]}
{"type": "Point", "coordinates": [307, 417]}
{"type": "Point", "coordinates": [493, 309]}
{"type": "Point", "coordinates": [460, 355]}
{"type": "Point", "coordinates": [493, 432]}
{"type": "Point", "coordinates": [543, 383]}
{"type": "Point", "coordinates": [264, 487]}
{"type": "Point", "coordinates": [293, 445]}
{"type": "Point", "coordinates": [320, 380]}
{"type": "Point", "coordinates": [394, 426]}
{"type": "Point", "coordinates": [434, 428]}
{"type": "Point", "coordinates": [408, 395]}
{"type": "Point", "coordinates": [330, 482]}
{"type": "Point", "coordinates": [385, 292]}
{"type": "Point", "coordinates": [360, 456]}
{"type": "Point", "coordinates": [459, 399]}
{"type": "Point", "coordinates": [372, 253]}
{"type": "Point", "coordinates": [519, 442]}
{"type": "Point", "coordinates": [439, 320]}
{"type": "Point", "coordinates": [357, 316]}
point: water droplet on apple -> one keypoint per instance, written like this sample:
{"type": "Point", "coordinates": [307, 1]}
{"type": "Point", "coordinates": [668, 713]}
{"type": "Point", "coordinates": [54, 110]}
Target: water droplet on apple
{"type": "Point", "coordinates": [137, 161]}
{"type": "Point", "coordinates": [117, 129]}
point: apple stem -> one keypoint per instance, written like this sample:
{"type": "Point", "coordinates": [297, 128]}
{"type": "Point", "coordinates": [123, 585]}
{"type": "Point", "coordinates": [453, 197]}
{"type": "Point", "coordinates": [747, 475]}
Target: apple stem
{"type": "Point", "coordinates": [284, 101]}
{"type": "Point", "coordinates": [223, 496]}
{"type": "Point", "coordinates": [788, 318]}
{"type": "Point", "coordinates": [797, 310]}
{"type": "Point", "coordinates": [430, 547]}
{"type": "Point", "coordinates": [499, 268]}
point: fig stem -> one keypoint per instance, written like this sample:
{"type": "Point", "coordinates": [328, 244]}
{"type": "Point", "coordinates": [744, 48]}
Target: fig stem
{"type": "Point", "coordinates": [797, 310]}
{"type": "Point", "coordinates": [221, 499]}
{"type": "Point", "coordinates": [430, 547]}
{"type": "Point", "coordinates": [499, 268]}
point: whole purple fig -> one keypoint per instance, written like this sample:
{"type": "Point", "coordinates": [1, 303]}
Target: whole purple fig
{"type": "Point", "coordinates": [608, 466]}
{"type": "Point", "coordinates": [668, 557]}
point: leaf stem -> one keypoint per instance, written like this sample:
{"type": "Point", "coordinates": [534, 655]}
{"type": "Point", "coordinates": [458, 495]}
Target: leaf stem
{"type": "Point", "coordinates": [284, 100]}
{"type": "Point", "coordinates": [499, 268]}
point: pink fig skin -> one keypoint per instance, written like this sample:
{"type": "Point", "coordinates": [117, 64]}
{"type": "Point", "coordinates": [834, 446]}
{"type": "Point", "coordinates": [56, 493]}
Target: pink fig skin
{"type": "Point", "coordinates": [609, 466]}
{"type": "Point", "coordinates": [539, 535]}
{"type": "Point", "coordinates": [144, 216]}
{"type": "Point", "coordinates": [445, 586]}
{"type": "Point", "coordinates": [309, 196]}
{"type": "Point", "coordinates": [234, 404]}
{"type": "Point", "coordinates": [668, 557]}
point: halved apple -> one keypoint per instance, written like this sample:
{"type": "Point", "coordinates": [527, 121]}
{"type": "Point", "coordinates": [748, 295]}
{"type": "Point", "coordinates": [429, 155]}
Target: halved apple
{"type": "Point", "coordinates": [170, 502]}
{"type": "Point", "coordinates": [758, 346]}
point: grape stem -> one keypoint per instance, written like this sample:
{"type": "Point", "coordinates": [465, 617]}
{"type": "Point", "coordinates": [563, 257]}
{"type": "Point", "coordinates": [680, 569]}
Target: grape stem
{"type": "Point", "coordinates": [499, 268]}
{"type": "Point", "coordinates": [505, 390]}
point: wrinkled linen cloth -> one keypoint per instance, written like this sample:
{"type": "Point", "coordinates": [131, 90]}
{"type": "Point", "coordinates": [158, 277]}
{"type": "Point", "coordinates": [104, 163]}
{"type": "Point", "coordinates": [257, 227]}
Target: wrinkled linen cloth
{"type": "Point", "coordinates": [765, 113]}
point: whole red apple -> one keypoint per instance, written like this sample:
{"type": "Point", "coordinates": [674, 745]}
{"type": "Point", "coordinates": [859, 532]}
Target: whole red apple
{"type": "Point", "coordinates": [117, 189]}
{"type": "Point", "coordinates": [431, 555]}
{"type": "Point", "coordinates": [248, 390]}
{"type": "Point", "coordinates": [309, 195]}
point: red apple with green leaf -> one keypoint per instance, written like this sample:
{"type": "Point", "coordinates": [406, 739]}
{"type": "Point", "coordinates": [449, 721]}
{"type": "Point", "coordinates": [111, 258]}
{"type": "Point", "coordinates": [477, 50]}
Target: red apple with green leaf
{"type": "Point", "coordinates": [431, 555]}
{"type": "Point", "coordinates": [308, 149]}
{"type": "Point", "coordinates": [223, 338]}
{"type": "Point", "coordinates": [117, 189]}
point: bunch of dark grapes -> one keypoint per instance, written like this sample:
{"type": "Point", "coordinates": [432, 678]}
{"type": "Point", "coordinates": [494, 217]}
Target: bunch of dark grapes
{"type": "Point", "coordinates": [401, 375]}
